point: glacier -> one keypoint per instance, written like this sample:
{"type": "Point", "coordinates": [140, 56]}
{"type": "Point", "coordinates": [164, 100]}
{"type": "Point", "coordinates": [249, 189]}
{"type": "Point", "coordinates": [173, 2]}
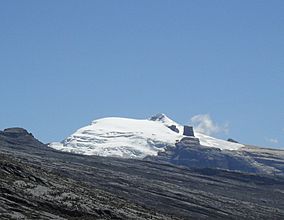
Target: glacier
{"type": "Point", "coordinates": [132, 138]}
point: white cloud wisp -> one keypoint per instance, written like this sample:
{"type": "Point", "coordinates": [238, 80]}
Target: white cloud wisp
{"type": "Point", "coordinates": [203, 123]}
{"type": "Point", "coordinates": [272, 140]}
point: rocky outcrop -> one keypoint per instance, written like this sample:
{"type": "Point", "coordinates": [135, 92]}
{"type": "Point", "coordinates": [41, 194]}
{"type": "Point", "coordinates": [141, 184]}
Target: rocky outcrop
{"type": "Point", "coordinates": [188, 131]}
{"type": "Point", "coordinates": [174, 128]}
{"type": "Point", "coordinates": [189, 141]}
{"type": "Point", "coordinates": [232, 140]}
{"type": "Point", "coordinates": [15, 132]}
{"type": "Point", "coordinates": [19, 138]}
{"type": "Point", "coordinates": [188, 152]}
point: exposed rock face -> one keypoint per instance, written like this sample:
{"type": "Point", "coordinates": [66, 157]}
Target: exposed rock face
{"type": "Point", "coordinates": [232, 140]}
{"type": "Point", "coordinates": [188, 131]}
{"type": "Point", "coordinates": [19, 137]}
{"type": "Point", "coordinates": [189, 141]}
{"type": "Point", "coordinates": [188, 152]}
{"type": "Point", "coordinates": [159, 117]}
{"type": "Point", "coordinates": [26, 193]}
{"type": "Point", "coordinates": [174, 128]}
{"type": "Point", "coordinates": [15, 132]}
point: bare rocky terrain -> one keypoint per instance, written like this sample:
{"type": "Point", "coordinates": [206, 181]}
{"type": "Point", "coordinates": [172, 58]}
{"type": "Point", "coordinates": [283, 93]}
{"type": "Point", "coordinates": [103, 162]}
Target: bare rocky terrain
{"type": "Point", "coordinates": [249, 159]}
{"type": "Point", "coordinates": [38, 182]}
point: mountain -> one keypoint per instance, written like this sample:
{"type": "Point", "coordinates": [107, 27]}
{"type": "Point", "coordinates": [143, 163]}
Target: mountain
{"type": "Point", "coordinates": [161, 139]}
{"type": "Point", "coordinates": [132, 138]}
{"type": "Point", "coordinates": [39, 182]}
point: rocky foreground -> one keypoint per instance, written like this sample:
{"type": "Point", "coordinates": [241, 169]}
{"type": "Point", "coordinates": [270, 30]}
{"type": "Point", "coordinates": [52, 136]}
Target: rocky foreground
{"type": "Point", "coordinates": [37, 182]}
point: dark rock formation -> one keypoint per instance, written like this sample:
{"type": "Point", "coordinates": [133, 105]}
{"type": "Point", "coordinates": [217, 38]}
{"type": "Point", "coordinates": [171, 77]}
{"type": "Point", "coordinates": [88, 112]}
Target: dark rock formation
{"type": "Point", "coordinates": [158, 117]}
{"type": "Point", "coordinates": [19, 138]}
{"type": "Point", "coordinates": [15, 132]}
{"type": "Point", "coordinates": [188, 131]}
{"type": "Point", "coordinates": [189, 141]}
{"type": "Point", "coordinates": [232, 140]}
{"type": "Point", "coordinates": [174, 128]}
{"type": "Point", "coordinates": [188, 152]}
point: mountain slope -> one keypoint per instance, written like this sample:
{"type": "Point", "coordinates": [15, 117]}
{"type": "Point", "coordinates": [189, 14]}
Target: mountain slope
{"type": "Point", "coordinates": [38, 182]}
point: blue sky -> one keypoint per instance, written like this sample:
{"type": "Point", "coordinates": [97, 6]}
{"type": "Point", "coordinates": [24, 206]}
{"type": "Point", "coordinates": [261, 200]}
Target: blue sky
{"type": "Point", "coordinates": [65, 63]}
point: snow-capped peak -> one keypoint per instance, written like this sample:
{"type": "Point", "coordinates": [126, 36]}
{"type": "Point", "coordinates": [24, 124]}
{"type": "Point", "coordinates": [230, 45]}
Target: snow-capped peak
{"type": "Point", "coordinates": [131, 138]}
{"type": "Point", "coordinates": [162, 118]}
{"type": "Point", "coordinates": [165, 120]}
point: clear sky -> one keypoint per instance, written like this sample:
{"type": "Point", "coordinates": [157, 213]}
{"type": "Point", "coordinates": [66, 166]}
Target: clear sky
{"type": "Point", "coordinates": [66, 63]}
